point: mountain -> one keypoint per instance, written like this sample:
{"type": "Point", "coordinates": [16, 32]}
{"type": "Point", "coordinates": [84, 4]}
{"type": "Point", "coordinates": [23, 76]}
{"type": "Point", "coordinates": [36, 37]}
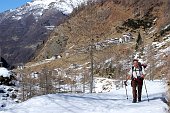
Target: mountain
{"type": "Point", "coordinates": [26, 28]}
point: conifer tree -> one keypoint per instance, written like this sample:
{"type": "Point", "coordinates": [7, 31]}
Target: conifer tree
{"type": "Point", "coordinates": [138, 42]}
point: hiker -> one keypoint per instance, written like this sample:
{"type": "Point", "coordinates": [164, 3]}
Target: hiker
{"type": "Point", "coordinates": [136, 74]}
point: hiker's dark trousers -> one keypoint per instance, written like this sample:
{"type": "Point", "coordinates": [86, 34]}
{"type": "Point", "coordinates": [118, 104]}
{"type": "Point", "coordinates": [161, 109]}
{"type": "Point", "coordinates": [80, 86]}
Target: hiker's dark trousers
{"type": "Point", "coordinates": [136, 84]}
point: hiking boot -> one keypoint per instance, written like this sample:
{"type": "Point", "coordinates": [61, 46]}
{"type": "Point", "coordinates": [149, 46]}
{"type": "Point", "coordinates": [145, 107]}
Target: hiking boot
{"type": "Point", "coordinates": [139, 99]}
{"type": "Point", "coordinates": [134, 101]}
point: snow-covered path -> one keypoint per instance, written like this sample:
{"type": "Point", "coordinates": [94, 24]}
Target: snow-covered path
{"type": "Point", "coordinates": [112, 102]}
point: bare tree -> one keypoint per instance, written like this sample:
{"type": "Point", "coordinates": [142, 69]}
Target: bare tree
{"type": "Point", "coordinates": [151, 61]}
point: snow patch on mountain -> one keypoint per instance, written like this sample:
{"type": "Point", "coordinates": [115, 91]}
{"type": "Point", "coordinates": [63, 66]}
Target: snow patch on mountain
{"type": "Point", "coordinates": [37, 8]}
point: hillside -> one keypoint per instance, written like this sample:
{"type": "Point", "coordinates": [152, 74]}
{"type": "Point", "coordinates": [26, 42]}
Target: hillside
{"type": "Point", "coordinates": [105, 22]}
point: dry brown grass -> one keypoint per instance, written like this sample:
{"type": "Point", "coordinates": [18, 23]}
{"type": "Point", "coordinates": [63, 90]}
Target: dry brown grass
{"type": "Point", "coordinates": [96, 22]}
{"type": "Point", "coordinates": [113, 52]}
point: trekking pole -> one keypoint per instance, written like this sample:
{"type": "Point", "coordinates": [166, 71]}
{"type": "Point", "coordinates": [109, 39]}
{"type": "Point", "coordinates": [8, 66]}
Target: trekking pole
{"type": "Point", "coordinates": [126, 90]}
{"type": "Point", "coordinates": [126, 93]}
{"type": "Point", "coordinates": [146, 90]}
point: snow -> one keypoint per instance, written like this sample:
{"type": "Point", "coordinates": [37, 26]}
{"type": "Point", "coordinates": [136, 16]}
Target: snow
{"type": "Point", "coordinates": [162, 49]}
{"type": "Point", "coordinates": [50, 27]}
{"type": "Point", "coordinates": [36, 7]}
{"type": "Point", "coordinates": [104, 85]}
{"type": "Point", "coordinates": [158, 44]}
{"type": "Point", "coordinates": [4, 72]}
{"type": "Point", "coordinates": [166, 50]}
{"type": "Point", "coordinates": [7, 100]}
{"type": "Point", "coordinates": [110, 102]}
{"type": "Point", "coordinates": [166, 27]}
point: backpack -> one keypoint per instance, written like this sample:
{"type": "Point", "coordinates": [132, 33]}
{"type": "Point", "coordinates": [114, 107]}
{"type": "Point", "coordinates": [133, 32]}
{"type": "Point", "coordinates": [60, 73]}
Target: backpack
{"type": "Point", "coordinates": [140, 66]}
{"type": "Point", "coordinates": [144, 65]}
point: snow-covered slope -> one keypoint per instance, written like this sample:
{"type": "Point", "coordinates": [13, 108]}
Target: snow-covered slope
{"type": "Point", "coordinates": [8, 88]}
{"type": "Point", "coordinates": [113, 102]}
{"type": "Point", "coordinates": [66, 6]}
{"type": "Point", "coordinates": [36, 7]}
{"type": "Point", "coordinates": [4, 72]}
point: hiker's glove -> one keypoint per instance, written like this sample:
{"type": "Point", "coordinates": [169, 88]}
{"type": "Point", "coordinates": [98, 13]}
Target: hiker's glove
{"type": "Point", "coordinates": [125, 82]}
{"type": "Point", "coordinates": [143, 76]}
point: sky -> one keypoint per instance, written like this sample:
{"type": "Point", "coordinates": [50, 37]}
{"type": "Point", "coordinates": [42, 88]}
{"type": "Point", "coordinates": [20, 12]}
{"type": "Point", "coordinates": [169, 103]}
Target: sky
{"type": "Point", "coordinates": [11, 4]}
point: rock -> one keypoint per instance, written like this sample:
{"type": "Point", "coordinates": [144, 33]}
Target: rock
{"type": "Point", "coordinates": [5, 95]}
{"type": "Point", "coordinates": [3, 105]}
{"type": "Point", "coordinates": [13, 96]}
{"type": "Point", "coordinates": [10, 89]}
{"type": "Point", "coordinates": [2, 91]}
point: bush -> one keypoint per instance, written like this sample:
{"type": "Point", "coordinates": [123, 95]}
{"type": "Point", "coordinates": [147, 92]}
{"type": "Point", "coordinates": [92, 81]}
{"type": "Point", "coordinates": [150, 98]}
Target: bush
{"type": "Point", "coordinates": [137, 23]}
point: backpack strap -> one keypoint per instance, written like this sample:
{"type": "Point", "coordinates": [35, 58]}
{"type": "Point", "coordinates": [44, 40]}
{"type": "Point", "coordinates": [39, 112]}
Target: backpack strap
{"type": "Point", "coordinates": [140, 67]}
{"type": "Point", "coordinates": [132, 72]}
